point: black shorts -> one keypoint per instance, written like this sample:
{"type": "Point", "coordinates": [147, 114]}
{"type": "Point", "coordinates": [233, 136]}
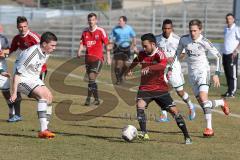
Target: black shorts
{"type": "Point", "coordinates": [95, 66]}
{"type": "Point", "coordinates": [121, 53]}
{"type": "Point", "coordinates": [164, 100]}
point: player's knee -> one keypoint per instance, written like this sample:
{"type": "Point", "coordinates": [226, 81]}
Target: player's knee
{"type": "Point", "coordinates": [141, 104]}
{"type": "Point", "coordinates": [172, 109]}
{"type": "Point", "coordinates": [207, 107]}
{"type": "Point", "coordinates": [179, 119]}
{"type": "Point", "coordinates": [179, 90]}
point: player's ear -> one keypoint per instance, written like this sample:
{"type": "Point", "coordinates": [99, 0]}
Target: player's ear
{"type": "Point", "coordinates": [44, 44]}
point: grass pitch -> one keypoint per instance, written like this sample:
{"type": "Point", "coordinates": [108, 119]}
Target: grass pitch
{"type": "Point", "coordinates": [100, 137]}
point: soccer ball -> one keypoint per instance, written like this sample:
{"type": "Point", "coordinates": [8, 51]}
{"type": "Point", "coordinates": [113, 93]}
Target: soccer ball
{"type": "Point", "coordinates": [129, 133]}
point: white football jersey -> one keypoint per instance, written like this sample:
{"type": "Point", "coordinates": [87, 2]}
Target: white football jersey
{"type": "Point", "coordinates": [30, 62]}
{"type": "Point", "coordinates": [197, 52]}
{"type": "Point", "coordinates": [169, 46]}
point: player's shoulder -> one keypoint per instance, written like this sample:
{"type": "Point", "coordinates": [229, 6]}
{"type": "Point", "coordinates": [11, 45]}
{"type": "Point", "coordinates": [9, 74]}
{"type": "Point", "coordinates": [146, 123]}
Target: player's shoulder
{"type": "Point", "coordinates": [205, 40]}
{"type": "Point", "coordinates": [185, 36]}
{"type": "Point", "coordinates": [175, 36]}
{"type": "Point", "coordinates": [100, 29]}
{"type": "Point", "coordinates": [158, 36]}
{"type": "Point", "coordinates": [34, 35]}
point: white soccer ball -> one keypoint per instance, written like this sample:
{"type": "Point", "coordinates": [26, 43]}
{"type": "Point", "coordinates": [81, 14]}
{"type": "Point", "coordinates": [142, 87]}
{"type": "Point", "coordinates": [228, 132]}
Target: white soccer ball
{"type": "Point", "coordinates": [129, 133]}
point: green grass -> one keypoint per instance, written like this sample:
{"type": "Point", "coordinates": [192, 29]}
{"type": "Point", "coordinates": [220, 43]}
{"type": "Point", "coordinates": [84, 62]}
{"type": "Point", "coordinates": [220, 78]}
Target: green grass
{"type": "Point", "coordinates": [100, 138]}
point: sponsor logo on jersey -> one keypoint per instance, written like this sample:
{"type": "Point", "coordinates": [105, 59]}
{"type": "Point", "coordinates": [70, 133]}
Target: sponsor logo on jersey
{"type": "Point", "coordinates": [90, 43]}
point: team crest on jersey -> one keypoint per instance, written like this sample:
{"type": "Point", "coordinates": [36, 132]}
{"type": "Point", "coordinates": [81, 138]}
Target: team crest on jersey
{"type": "Point", "coordinates": [25, 44]}
{"type": "Point", "coordinates": [96, 37]}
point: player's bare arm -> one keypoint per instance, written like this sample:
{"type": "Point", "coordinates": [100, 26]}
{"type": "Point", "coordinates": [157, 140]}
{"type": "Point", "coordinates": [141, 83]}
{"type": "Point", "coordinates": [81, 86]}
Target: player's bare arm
{"type": "Point", "coordinates": [16, 81]}
{"type": "Point", "coordinates": [81, 47]}
{"type": "Point", "coordinates": [108, 48]}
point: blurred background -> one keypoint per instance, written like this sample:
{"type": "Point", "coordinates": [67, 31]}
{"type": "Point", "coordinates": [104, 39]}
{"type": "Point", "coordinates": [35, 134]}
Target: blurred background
{"type": "Point", "coordinates": [67, 18]}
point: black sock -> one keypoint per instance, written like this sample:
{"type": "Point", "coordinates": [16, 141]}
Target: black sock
{"type": "Point", "coordinates": [181, 124]}
{"type": "Point", "coordinates": [95, 90]}
{"type": "Point", "coordinates": [89, 90]}
{"type": "Point", "coordinates": [141, 120]}
{"type": "Point", "coordinates": [123, 70]}
{"type": "Point", "coordinates": [17, 107]}
{"type": "Point", "coordinates": [118, 74]}
{"type": "Point", "coordinates": [11, 110]}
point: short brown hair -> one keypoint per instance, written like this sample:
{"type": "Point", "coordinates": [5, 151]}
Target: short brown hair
{"type": "Point", "coordinates": [21, 19]}
{"type": "Point", "coordinates": [195, 22]}
{"type": "Point", "coordinates": [90, 15]}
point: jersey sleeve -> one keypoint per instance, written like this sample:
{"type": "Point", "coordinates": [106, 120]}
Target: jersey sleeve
{"type": "Point", "coordinates": [82, 40]}
{"type": "Point", "coordinates": [180, 48]}
{"type": "Point", "coordinates": [238, 33]}
{"type": "Point", "coordinates": [162, 62]}
{"type": "Point", "coordinates": [112, 35]}
{"type": "Point", "coordinates": [5, 43]}
{"type": "Point", "coordinates": [104, 37]}
{"type": "Point", "coordinates": [213, 50]}
{"type": "Point", "coordinates": [14, 45]}
{"type": "Point", "coordinates": [132, 32]}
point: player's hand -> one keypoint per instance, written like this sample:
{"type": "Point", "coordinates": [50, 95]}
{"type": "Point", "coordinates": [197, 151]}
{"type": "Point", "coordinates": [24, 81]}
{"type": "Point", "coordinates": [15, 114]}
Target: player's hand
{"type": "Point", "coordinates": [169, 74]}
{"type": "Point", "coordinates": [145, 71]}
{"type": "Point", "coordinates": [6, 74]}
{"type": "Point", "coordinates": [234, 55]}
{"type": "Point", "coordinates": [78, 55]}
{"type": "Point", "coordinates": [109, 61]}
{"type": "Point", "coordinates": [135, 49]}
{"type": "Point", "coordinates": [170, 60]}
{"type": "Point", "coordinates": [216, 82]}
{"type": "Point", "coordinates": [13, 97]}
{"type": "Point", "coordinates": [2, 55]}
{"type": "Point", "coordinates": [129, 73]}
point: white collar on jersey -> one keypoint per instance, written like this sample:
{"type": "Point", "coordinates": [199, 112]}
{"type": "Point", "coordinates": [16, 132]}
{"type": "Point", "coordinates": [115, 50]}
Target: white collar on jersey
{"type": "Point", "coordinates": [233, 25]}
{"type": "Point", "coordinates": [93, 29]}
{"type": "Point", "coordinates": [40, 50]}
{"type": "Point", "coordinates": [197, 40]}
{"type": "Point", "coordinates": [26, 33]}
{"type": "Point", "coordinates": [170, 36]}
{"type": "Point", "coordinates": [154, 52]}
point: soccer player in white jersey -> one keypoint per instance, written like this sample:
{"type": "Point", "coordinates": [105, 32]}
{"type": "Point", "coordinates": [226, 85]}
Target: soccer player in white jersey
{"type": "Point", "coordinates": [168, 42]}
{"type": "Point", "coordinates": [4, 75]}
{"type": "Point", "coordinates": [26, 79]}
{"type": "Point", "coordinates": [196, 47]}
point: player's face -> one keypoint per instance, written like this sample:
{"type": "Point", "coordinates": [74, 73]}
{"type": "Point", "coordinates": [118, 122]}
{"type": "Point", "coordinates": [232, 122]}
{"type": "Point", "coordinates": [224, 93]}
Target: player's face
{"type": "Point", "coordinates": [167, 30]}
{"type": "Point", "coordinates": [121, 22]}
{"type": "Point", "coordinates": [148, 46]}
{"type": "Point", "coordinates": [22, 28]}
{"type": "Point", "coordinates": [92, 22]}
{"type": "Point", "coordinates": [229, 20]}
{"type": "Point", "coordinates": [49, 47]}
{"type": "Point", "coordinates": [194, 32]}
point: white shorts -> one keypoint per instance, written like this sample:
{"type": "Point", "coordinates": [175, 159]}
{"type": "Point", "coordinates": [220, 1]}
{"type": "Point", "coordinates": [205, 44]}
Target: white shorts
{"type": "Point", "coordinates": [4, 83]}
{"type": "Point", "coordinates": [26, 87]}
{"type": "Point", "coordinates": [176, 79]}
{"type": "Point", "coordinates": [199, 79]}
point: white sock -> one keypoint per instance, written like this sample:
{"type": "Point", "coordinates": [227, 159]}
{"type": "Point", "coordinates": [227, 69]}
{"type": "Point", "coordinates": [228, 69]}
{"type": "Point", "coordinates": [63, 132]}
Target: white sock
{"type": "Point", "coordinates": [43, 124]}
{"type": "Point", "coordinates": [187, 100]}
{"type": "Point", "coordinates": [208, 118]}
{"type": "Point", "coordinates": [217, 103]}
{"type": "Point", "coordinates": [42, 114]}
{"type": "Point", "coordinates": [164, 113]}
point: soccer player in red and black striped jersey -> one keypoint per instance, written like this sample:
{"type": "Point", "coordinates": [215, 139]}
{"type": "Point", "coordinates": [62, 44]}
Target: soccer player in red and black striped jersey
{"type": "Point", "coordinates": [25, 39]}
{"type": "Point", "coordinates": [153, 86]}
{"type": "Point", "coordinates": [93, 38]}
